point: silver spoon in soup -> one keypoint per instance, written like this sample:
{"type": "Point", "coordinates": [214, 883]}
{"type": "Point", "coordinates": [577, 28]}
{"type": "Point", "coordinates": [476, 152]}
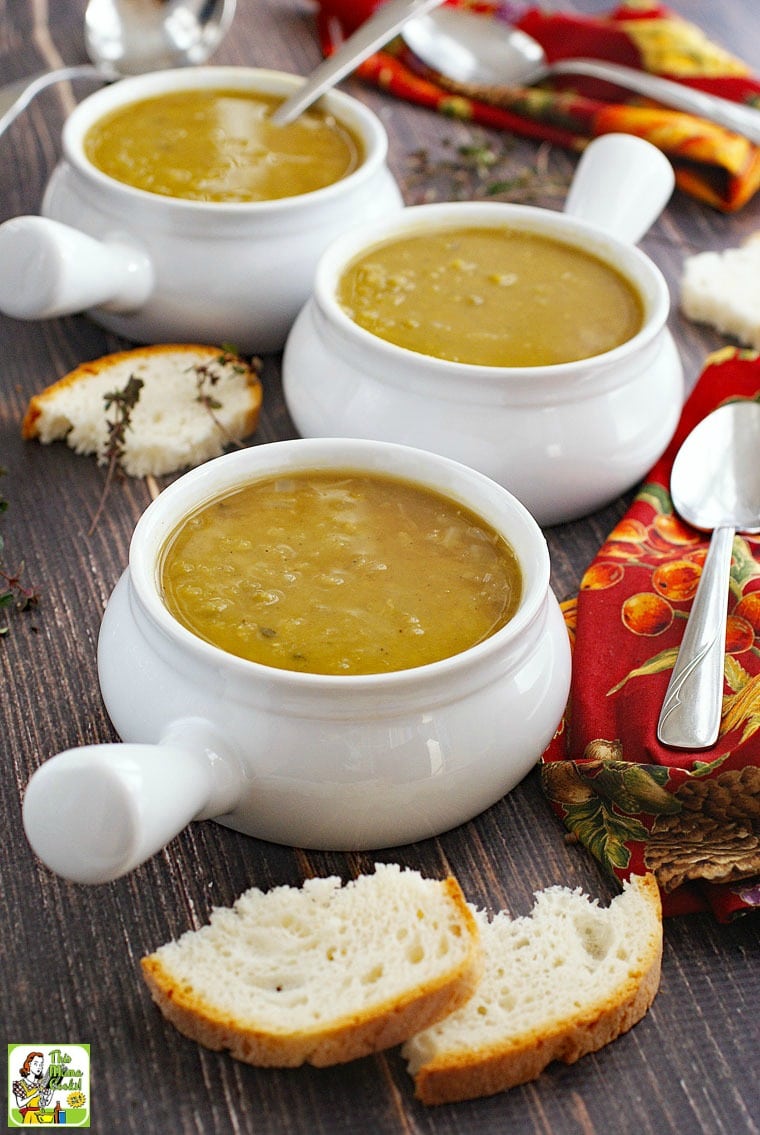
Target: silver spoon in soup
{"type": "Point", "coordinates": [381, 27]}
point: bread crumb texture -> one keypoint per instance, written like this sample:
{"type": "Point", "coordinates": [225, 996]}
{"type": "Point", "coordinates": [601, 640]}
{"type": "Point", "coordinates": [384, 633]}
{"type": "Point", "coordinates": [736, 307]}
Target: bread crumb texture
{"type": "Point", "coordinates": [170, 427]}
{"type": "Point", "coordinates": [559, 983]}
{"type": "Point", "coordinates": [722, 289]}
{"type": "Point", "coordinates": [322, 974]}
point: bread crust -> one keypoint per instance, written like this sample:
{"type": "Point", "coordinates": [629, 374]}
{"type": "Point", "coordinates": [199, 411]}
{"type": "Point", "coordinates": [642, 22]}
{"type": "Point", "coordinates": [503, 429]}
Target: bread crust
{"type": "Point", "coordinates": [338, 1041]}
{"type": "Point", "coordinates": [49, 415]}
{"type": "Point", "coordinates": [34, 410]}
{"type": "Point", "coordinates": [486, 1071]}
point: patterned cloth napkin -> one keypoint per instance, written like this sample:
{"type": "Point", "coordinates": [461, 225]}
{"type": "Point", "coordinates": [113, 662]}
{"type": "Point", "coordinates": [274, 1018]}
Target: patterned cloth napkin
{"type": "Point", "coordinates": [693, 819]}
{"type": "Point", "coordinates": [711, 163]}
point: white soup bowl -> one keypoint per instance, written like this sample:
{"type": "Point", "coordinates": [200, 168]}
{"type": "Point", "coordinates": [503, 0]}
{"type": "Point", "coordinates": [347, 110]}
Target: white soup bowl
{"type": "Point", "coordinates": [158, 269]}
{"type": "Point", "coordinates": [566, 439]}
{"type": "Point", "coordinates": [321, 761]}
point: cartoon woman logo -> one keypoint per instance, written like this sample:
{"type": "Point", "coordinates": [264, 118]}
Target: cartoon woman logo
{"type": "Point", "coordinates": [32, 1091]}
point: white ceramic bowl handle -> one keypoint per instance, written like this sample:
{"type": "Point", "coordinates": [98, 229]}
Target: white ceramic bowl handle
{"type": "Point", "coordinates": [621, 186]}
{"type": "Point", "coordinates": [48, 269]}
{"type": "Point", "coordinates": [93, 814]}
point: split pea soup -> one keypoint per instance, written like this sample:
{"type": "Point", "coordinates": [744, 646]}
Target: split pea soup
{"type": "Point", "coordinates": [490, 296]}
{"type": "Point", "coordinates": [338, 572]}
{"type": "Point", "coordinates": [220, 145]}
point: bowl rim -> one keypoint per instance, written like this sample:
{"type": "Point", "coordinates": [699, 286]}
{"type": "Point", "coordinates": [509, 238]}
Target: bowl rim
{"type": "Point", "coordinates": [397, 362]}
{"type": "Point", "coordinates": [479, 493]}
{"type": "Point", "coordinates": [350, 111]}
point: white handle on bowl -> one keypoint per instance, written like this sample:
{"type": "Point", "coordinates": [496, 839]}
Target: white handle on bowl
{"type": "Point", "coordinates": [621, 186]}
{"type": "Point", "coordinates": [94, 813]}
{"type": "Point", "coordinates": [49, 269]}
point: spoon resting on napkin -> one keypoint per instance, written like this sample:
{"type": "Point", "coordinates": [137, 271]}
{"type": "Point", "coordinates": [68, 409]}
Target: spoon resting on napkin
{"type": "Point", "coordinates": [690, 817]}
{"type": "Point", "coordinates": [571, 110]}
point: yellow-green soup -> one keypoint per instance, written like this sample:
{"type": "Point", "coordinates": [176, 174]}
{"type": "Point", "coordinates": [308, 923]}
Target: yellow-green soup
{"type": "Point", "coordinates": [220, 145]}
{"type": "Point", "coordinates": [490, 296]}
{"type": "Point", "coordinates": [339, 572]}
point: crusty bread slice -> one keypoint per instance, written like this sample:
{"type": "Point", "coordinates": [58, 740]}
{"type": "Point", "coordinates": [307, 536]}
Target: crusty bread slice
{"type": "Point", "coordinates": [559, 983]}
{"type": "Point", "coordinates": [722, 289]}
{"type": "Point", "coordinates": [170, 427]}
{"type": "Point", "coordinates": [324, 973]}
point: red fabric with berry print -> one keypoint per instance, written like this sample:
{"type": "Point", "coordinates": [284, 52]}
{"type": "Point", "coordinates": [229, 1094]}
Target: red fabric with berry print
{"type": "Point", "coordinates": [691, 818]}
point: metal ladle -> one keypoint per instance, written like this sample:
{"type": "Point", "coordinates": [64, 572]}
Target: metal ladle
{"type": "Point", "coordinates": [130, 37]}
{"type": "Point", "coordinates": [715, 485]}
{"type": "Point", "coordinates": [472, 49]}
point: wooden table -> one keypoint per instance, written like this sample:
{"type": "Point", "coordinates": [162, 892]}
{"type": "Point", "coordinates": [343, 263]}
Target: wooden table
{"type": "Point", "coordinates": [69, 969]}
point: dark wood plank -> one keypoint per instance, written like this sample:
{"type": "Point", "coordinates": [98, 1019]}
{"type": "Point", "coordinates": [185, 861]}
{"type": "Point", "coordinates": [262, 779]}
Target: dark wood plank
{"type": "Point", "coordinates": [70, 954]}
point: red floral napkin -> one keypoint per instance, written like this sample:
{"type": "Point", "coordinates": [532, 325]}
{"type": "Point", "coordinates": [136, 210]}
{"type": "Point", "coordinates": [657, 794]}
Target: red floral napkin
{"type": "Point", "coordinates": [693, 819]}
{"type": "Point", "coordinates": [711, 163]}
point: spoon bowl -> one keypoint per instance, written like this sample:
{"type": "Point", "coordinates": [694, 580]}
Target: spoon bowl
{"type": "Point", "coordinates": [716, 475]}
{"type": "Point", "coordinates": [135, 36]}
{"type": "Point", "coordinates": [715, 486]}
{"type": "Point", "coordinates": [131, 37]}
{"type": "Point", "coordinates": [474, 50]}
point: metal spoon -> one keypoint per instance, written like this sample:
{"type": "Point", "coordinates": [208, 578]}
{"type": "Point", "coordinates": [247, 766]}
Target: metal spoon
{"type": "Point", "coordinates": [474, 50]}
{"type": "Point", "coordinates": [715, 484]}
{"type": "Point", "coordinates": [385, 23]}
{"type": "Point", "coordinates": [130, 37]}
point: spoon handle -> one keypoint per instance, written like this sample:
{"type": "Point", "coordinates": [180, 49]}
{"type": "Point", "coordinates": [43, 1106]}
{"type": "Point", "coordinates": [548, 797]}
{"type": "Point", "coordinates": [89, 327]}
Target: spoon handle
{"type": "Point", "coordinates": [371, 35]}
{"type": "Point", "coordinates": [733, 116]}
{"type": "Point", "coordinates": [16, 96]}
{"type": "Point", "coordinates": [691, 711]}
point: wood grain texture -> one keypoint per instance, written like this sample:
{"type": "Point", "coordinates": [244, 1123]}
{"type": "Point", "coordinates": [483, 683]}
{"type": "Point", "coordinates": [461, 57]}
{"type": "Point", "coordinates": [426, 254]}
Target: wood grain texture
{"type": "Point", "coordinates": [69, 963]}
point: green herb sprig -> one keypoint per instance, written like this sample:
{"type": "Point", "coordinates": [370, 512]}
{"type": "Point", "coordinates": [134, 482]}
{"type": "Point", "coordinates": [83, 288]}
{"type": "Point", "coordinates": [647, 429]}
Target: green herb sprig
{"type": "Point", "coordinates": [14, 595]}
{"type": "Point", "coordinates": [206, 379]}
{"type": "Point", "coordinates": [123, 402]}
{"type": "Point", "coordinates": [483, 168]}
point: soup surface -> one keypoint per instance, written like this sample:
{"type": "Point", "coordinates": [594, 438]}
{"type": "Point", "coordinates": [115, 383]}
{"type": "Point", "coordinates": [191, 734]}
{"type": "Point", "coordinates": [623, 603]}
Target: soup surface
{"type": "Point", "coordinates": [339, 573]}
{"type": "Point", "coordinates": [490, 296]}
{"type": "Point", "coordinates": [220, 145]}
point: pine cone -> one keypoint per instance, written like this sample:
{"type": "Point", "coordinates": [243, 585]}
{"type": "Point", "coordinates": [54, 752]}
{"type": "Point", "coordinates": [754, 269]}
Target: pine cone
{"type": "Point", "coordinates": [716, 835]}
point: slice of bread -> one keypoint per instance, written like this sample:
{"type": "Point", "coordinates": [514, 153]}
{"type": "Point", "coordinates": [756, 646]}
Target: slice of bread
{"type": "Point", "coordinates": [559, 983]}
{"type": "Point", "coordinates": [722, 289]}
{"type": "Point", "coordinates": [324, 973]}
{"type": "Point", "coordinates": [175, 423]}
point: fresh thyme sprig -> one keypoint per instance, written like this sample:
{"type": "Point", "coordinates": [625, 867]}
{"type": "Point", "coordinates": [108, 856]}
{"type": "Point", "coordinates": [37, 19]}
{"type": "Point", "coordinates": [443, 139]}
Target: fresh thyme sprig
{"type": "Point", "coordinates": [123, 402]}
{"type": "Point", "coordinates": [14, 595]}
{"type": "Point", "coordinates": [483, 168]}
{"type": "Point", "coordinates": [206, 379]}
